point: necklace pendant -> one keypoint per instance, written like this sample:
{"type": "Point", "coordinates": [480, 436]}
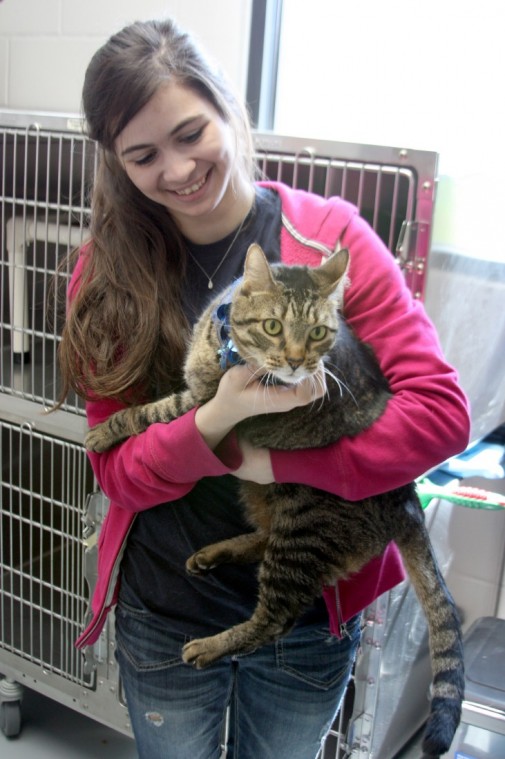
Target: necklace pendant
{"type": "Point", "coordinates": [210, 286]}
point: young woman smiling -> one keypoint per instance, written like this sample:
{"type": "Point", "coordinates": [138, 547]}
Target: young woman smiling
{"type": "Point", "coordinates": [175, 208]}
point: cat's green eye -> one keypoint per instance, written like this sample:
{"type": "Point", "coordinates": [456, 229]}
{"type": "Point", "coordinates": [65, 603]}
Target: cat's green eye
{"type": "Point", "coordinates": [318, 333]}
{"type": "Point", "coordinates": [272, 327]}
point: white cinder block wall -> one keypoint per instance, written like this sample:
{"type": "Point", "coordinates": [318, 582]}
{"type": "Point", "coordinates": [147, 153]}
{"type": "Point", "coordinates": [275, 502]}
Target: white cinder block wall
{"type": "Point", "coordinates": [45, 45]}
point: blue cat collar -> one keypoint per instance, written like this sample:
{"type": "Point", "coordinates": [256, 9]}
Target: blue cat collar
{"type": "Point", "coordinates": [227, 352]}
{"type": "Point", "coordinates": [228, 355]}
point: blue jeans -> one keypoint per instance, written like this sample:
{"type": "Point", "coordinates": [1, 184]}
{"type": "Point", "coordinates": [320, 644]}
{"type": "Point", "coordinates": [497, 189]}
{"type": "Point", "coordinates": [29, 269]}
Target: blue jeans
{"type": "Point", "coordinates": [282, 698]}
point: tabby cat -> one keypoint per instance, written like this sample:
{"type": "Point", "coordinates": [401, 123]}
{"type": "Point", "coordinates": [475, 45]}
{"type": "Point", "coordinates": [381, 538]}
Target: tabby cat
{"type": "Point", "coordinates": [286, 319]}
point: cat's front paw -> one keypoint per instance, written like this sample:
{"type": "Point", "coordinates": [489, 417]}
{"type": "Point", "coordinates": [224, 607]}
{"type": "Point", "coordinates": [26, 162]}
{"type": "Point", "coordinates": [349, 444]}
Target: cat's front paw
{"type": "Point", "coordinates": [99, 439]}
{"type": "Point", "coordinates": [203, 651]}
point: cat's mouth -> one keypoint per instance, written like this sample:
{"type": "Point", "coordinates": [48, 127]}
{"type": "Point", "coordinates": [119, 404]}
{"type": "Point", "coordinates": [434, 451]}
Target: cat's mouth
{"type": "Point", "coordinates": [285, 377]}
{"type": "Point", "coordinates": [279, 376]}
{"type": "Point", "coordinates": [272, 379]}
{"type": "Point", "coordinates": [268, 378]}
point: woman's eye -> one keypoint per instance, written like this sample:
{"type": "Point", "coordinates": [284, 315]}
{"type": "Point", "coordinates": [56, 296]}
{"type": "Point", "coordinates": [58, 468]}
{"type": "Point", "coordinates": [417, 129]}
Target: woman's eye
{"type": "Point", "coordinates": [318, 333]}
{"type": "Point", "coordinates": [193, 136]}
{"type": "Point", "coordinates": [272, 327]}
{"type": "Point", "coordinates": [145, 160]}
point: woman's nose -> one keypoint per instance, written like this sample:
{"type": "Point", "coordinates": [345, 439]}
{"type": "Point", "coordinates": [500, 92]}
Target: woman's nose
{"type": "Point", "coordinates": [177, 169]}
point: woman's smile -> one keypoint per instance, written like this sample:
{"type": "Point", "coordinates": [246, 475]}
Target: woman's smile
{"type": "Point", "coordinates": [179, 152]}
{"type": "Point", "coordinates": [193, 188]}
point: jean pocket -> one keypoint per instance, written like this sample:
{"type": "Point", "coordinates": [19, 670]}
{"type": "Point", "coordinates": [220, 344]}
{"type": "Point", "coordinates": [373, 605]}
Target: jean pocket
{"type": "Point", "coordinates": [144, 642]}
{"type": "Point", "coordinates": [318, 658]}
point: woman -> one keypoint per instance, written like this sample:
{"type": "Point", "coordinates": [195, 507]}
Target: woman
{"type": "Point", "coordinates": [174, 210]}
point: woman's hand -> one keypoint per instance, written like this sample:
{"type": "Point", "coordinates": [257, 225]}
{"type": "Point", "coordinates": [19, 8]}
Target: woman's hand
{"type": "Point", "coordinates": [256, 464]}
{"type": "Point", "coordinates": [241, 394]}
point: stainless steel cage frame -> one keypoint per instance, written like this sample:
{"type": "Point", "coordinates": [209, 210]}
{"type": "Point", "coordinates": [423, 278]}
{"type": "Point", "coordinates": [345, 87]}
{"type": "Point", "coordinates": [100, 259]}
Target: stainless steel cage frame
{"type": "Point", "coordinates": [48, 531]}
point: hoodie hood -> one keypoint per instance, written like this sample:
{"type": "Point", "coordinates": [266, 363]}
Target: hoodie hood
{"type": "Point", "coordinates": [320, 224]}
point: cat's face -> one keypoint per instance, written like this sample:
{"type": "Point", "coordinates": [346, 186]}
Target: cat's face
{"type": "Point", "coordinates": [284, 319]}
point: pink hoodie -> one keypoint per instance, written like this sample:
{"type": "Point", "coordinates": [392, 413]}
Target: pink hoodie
{"type": "Point", "coordinates": [425, 422]}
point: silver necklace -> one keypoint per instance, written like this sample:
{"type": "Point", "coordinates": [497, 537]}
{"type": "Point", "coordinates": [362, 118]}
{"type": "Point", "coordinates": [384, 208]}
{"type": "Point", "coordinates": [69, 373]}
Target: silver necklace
{"type": "Point", "coordinates": [227, 251]}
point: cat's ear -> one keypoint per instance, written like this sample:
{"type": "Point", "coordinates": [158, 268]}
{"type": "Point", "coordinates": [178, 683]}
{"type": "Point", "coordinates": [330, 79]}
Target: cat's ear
{"type": "Point", "coordinates": [257, 274]}
{"type": "Point", "coordinates": [332, 273]}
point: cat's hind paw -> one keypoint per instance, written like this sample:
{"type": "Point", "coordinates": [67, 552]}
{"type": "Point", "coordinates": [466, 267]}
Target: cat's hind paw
{"type": "Point", "coordinates": [202, 652]}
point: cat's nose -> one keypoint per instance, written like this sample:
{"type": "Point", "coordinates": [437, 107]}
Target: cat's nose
{"type": "Point", "coordinates": [294, 363]}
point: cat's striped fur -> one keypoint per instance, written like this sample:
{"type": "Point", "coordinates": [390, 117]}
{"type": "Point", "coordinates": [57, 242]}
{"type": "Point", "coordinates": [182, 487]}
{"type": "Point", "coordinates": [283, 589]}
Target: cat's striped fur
{"type": "Point", "coordinates": [306, 537]}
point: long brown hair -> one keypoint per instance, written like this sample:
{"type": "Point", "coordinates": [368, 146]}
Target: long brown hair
{"type": "Point", "coordinates": [125, 333]}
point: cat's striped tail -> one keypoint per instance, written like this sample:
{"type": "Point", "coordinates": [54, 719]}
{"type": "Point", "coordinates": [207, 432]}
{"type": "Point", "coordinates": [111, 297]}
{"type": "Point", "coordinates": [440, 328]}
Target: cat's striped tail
{"type": "Point", "coordinates": [446, 644]}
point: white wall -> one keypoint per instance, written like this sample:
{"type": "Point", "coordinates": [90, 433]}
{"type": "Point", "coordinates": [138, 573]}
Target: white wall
{"type": "Point", "coordinates": [45, 45]}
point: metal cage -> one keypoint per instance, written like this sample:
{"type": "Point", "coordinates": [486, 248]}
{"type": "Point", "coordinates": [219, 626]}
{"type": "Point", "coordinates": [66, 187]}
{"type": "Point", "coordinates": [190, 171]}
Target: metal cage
{"type": "Point", "coordinates": [48, 525]}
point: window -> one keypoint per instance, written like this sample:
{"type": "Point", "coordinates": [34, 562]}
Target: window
{"type": "Point", "coordinates": [418, 75]}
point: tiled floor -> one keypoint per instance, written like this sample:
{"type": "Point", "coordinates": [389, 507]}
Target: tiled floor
{"type": "Point", "coordinates": [52, 731]}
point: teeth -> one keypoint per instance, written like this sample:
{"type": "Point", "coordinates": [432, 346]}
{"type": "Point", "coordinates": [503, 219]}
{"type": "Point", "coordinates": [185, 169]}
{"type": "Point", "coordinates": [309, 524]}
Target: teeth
{"type": "Point", "coordinates": [193, 188]}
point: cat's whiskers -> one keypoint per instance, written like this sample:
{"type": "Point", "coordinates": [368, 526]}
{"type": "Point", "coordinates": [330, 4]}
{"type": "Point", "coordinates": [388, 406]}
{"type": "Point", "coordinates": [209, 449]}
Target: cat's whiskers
{"type": "Point", "coordinates": [318, 383]}
{"type": "Point", "coordinates": [256, 372]}
{"type": "Point", "coordinates": [341, 385]}
{"type": "Point", "coordinates": [266, 378]}
{"type": "Point", "coordinates": [316, 380]}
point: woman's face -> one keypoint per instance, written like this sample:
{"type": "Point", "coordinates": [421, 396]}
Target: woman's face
{"type": "Point", "coordinates": [179, 152]}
